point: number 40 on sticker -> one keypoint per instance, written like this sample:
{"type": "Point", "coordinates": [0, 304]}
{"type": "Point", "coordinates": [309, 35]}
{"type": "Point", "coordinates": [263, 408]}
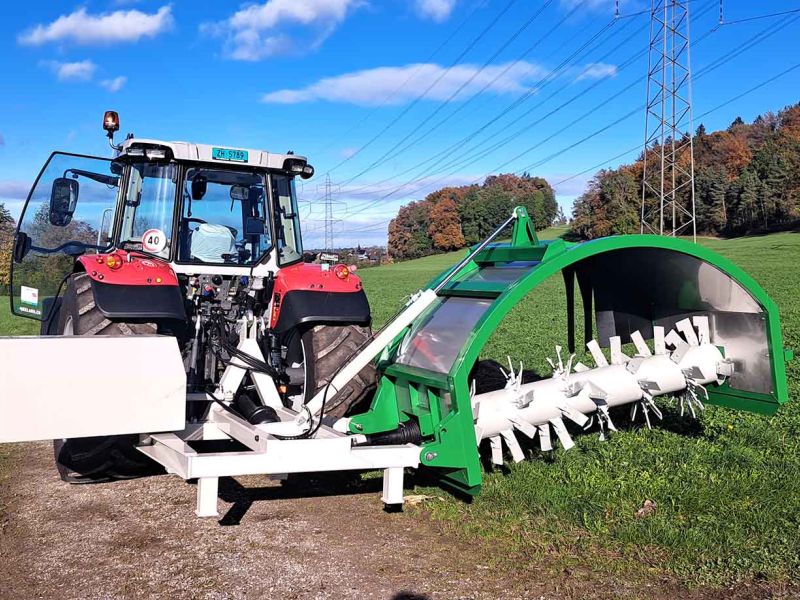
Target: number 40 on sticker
{"type": "Point", "coordinates": [154, 240]}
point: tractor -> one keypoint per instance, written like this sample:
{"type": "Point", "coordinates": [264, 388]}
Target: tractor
{"type": "Point", "coordinates": [184, 328]}
{"type": "Point", "coordinates": [180, 239]}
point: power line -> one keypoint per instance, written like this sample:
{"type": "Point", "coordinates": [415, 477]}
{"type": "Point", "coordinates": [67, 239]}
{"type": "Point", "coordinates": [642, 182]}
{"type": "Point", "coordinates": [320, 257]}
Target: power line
{"type": "Point", "coordinates": [756, 18]}
{"type": "Point", "coordinates": [754, 40]}
{"type": "Point", "coordinates": [462, 162]}
{"type": "Point", "coordinates": [408, 108]}
{"type": "Point", "coordinates": [638, 146]}
{"type": "Point", "coordinates": [533, 89]}
{"type": "Point", "coordinates": [541, 83]}
{"type": "Point", "coordinates": [390, 96]}
{"type": "Point", "coordinates": [388, 154]}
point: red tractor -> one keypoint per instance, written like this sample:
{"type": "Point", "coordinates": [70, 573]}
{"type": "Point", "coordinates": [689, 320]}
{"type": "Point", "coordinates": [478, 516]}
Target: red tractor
{"type": "Point", "coordinates": [196, 242]}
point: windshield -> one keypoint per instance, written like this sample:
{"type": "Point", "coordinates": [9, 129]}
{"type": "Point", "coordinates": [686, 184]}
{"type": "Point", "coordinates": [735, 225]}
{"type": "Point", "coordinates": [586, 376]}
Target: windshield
{"type": "Point", "coordinates": [287, 219]}
{"type": "Point", "coordinates": [149, 205]}
{"type": "Point", "coordinates": [223, 218]}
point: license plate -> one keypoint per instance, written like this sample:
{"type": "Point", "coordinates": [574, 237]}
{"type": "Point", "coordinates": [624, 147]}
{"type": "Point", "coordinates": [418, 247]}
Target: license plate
{"type": "Point", "coordinates": [229, 154]}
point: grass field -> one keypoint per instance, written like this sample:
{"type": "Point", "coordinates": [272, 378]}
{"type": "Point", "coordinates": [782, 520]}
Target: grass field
{"type": "Point", "coordinates": [727, 488]}
{"type": "Point", "coordinates": [11, 325]}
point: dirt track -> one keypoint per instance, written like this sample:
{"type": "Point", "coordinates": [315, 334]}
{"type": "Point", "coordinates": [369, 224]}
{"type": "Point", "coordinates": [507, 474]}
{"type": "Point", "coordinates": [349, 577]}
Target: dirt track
{"type": "Point", "coordinates": [140, 538]}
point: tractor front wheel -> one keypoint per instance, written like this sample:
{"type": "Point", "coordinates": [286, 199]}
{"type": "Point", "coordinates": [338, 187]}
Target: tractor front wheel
{"type": "Point", "coordinates": [97, 459]}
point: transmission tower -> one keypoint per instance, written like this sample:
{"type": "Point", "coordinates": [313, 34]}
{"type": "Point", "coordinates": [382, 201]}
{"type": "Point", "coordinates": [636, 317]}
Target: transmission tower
{"type": "Point", "coordinates": [668, 206]}
{"type": "Point", "coordinates": [328, 190]}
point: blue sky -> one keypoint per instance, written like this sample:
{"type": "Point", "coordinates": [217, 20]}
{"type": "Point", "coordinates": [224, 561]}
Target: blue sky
{"type": "Point", "coordinates": [392, 99]}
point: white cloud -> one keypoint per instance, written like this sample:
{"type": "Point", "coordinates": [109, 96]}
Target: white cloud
{"type": "Point", "coordinates": [403, 84]}
{"type": "Point", "coordinates": [71, 71]}
{"type": "Point", "coordinates": [12, 196]}
{"type": "Point", "coordinates": [435, 10]}
{"type": "Point", "coordinates": [115, 84]}
{"type": "Point", "coordinates": [80, 27]}
{"type": "Point", "coordinates": [14, 190]}
{"type": "Point", "coordinates": [597, 71]}
{"type": "Point", "coordinates": [259, 31]}
{"type": "Point", "coordinates": [346, 152]}
{"type": "Point", "coordinates": [2, 140]}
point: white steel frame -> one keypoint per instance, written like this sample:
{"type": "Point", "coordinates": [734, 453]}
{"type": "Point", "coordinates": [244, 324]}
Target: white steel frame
{"type": "Point", "coordinates": [266, 454]}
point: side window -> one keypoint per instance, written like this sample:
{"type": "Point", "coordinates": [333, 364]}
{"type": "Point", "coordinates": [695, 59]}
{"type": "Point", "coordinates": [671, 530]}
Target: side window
{"type": "Point", "coordinates": [149, 203]}
{"type": "Point", "coordinates": [69, 212]}
{"type": "Point", "coordinates": [287, 220]}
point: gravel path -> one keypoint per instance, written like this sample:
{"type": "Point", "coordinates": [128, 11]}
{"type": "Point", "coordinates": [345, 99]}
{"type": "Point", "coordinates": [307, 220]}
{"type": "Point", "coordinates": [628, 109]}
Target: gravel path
{"type": "Point", "coordinates": [140, 539]}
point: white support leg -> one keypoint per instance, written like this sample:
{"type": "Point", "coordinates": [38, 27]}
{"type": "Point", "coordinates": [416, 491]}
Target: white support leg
{"type": "Point", "coordinates": [393, 486]}
{"type": "Point", "coordinates": [207, 489]}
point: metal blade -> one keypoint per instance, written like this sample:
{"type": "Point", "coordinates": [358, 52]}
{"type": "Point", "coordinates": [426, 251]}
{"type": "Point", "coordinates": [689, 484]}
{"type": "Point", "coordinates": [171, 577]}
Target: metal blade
{"type": "Point", "coordinates": [658, 340]}
{"type": "Point", "coordinates": [573, 415]}
{"type": "Point", "coordinates": [497, 450]}
{"type": "Point", "coordinates": [526, 428]}
{"type": "Point", "coordinates": [617, 357]}
{"type": "Point", "coordinates": [597, 354]}
{"type": "Point", "coordinates": [544, 437]}
{"type": "Point", "coordinates": [513, 445]}
{"type": "Point", "coordinates": [641, 346]}
{"type": "Point", "coordinates": [674, 339]}
{"type": "Point", "coordinates": [685, 327]}
{"type": "Point", "coordinates": [703, 332]}
{"type": "Point", "coordinates": [562, 433]}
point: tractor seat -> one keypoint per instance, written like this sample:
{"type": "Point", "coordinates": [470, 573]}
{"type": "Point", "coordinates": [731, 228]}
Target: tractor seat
{"type": "Point", "coordinates": [208, 243]}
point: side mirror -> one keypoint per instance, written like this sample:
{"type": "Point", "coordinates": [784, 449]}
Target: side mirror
{"type": "Point", "coordinates": [22, 245]}
{"type": "Point", "coordinates": [240, 192]}
{"type": "Point", "coordinates": [199, 187]}
{"type": "Point", "coordinates": [63, 199]}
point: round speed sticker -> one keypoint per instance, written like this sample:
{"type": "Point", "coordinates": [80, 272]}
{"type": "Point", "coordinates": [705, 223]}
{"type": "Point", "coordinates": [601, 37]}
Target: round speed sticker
{"type": "Point", "coordinates": [154, 240]}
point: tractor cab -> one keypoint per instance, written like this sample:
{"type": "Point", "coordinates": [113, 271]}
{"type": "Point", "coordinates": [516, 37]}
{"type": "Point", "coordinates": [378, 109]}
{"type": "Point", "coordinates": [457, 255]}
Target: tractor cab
{"type": "Point", "coordinates": [202, 209]}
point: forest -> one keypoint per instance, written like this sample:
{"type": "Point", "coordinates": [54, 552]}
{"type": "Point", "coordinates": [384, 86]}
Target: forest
{"type": "Point", "coordinates": [456, 217]}
{"type": "Point", "coordinates": [747, 180]}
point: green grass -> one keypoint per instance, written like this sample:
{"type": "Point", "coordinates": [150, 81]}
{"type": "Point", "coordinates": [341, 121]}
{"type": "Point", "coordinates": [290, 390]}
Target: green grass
{"type": "Point", "coordinates": [727, 487]}
{"type": "Point", "coordinates": [11, 325]}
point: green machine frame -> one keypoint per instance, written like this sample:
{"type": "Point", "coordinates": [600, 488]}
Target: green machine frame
{"type": "Point", "coordinates": [440, 401]}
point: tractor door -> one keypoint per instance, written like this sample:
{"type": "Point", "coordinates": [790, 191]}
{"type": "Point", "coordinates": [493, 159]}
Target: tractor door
{"type": "Point", "coordinates": [69, 211]}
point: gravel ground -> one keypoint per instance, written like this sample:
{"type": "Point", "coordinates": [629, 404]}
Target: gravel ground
{"type": "Point", "coordinates": [140, 538]}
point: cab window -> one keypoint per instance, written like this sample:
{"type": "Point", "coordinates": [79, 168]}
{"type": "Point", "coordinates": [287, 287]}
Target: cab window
{"type": "Point", "coordinates": [287, 220]}
{"type": "Point", "coordinates": [223, 218]}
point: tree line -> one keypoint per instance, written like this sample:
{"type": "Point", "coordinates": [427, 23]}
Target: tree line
{"type": "Point", "coordinates": [456, 217]}
{"type": "Point", "coordinates": [747, 180]}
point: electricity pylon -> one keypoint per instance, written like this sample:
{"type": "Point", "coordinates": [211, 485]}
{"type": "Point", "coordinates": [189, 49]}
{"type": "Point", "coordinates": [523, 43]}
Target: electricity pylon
{"type": "Point", "coordinates": [668, 205]}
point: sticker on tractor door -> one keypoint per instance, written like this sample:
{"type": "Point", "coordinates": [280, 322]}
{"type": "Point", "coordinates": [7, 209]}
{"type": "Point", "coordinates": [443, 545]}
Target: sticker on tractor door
{"type": "Point", "coordinates": [154, 240]}
{"type": "Point", "coordinates": [229, 154]}
{"type": "Point", "coordinates": [29, 295]}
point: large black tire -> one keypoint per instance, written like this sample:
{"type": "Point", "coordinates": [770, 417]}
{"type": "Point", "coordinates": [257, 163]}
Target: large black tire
{"type": "Point", "coordinates": [97, 459]}
{"type": "Point", "coordinates": [325, 349]}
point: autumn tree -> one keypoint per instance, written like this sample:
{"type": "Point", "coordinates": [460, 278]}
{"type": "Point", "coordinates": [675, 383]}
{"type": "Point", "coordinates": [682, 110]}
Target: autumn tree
{"type": "Point", "coordinates": [445, 226]}
{"type": "Point", "coordinates": [6, 241]}
{"type": "Point", "coordinates": [408, 231]}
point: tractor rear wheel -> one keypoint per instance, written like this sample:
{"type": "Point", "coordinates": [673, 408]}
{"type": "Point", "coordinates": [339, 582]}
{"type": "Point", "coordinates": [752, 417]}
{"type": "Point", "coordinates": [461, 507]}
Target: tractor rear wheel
{"type": "Point", "coordinates": [325, 349]}
{"type": "Point", "coordinates": [97, 459]}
